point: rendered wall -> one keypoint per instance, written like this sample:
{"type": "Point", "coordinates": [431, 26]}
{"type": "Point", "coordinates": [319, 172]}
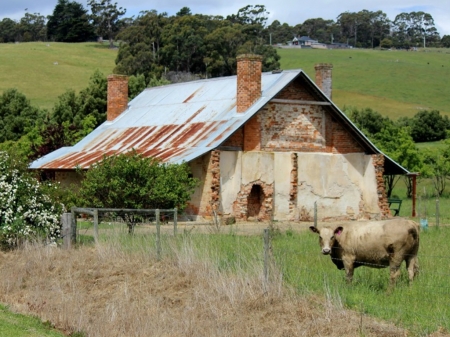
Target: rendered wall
{"type": "Point", "coordinates": [344, 186]}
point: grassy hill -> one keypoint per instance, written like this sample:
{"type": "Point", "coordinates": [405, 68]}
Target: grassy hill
{"type": "Point", "coordinates": [395, 83]}
{"type": "Point", "coordinates": [44, 71]}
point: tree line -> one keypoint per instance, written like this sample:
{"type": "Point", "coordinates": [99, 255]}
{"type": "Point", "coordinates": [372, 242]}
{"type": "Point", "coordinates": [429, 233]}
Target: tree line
{"type": "Point", "coordinates": [72, 22]}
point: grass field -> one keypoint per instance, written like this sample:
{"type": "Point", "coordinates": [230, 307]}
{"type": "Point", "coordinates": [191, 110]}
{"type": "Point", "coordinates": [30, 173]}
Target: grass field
{"type": "Point", "coordinates": [44, 71]}
{"type": "Point", "coordinates": [394, 83]}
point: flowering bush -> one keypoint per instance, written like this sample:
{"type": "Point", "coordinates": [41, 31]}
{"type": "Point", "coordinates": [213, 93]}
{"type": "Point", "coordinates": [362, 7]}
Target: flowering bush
{"type": "Point", "coordinates": [25, 211]}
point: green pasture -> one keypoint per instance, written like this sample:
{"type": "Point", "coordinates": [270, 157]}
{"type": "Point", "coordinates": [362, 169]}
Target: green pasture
{"type": "Point", "coordinates": [422, 308]}
{"type": "Point", "coordinates": [16, 325]}
{"type": "Point", "coordinates": [43, 71]}
{"type": "Point", "coordinates": [394, 83]}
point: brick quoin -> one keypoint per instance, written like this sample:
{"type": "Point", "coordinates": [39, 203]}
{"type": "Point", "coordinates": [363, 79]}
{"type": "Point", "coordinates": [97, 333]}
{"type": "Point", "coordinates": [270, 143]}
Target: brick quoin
{"type": "Point", "coordinates": [117, 96]}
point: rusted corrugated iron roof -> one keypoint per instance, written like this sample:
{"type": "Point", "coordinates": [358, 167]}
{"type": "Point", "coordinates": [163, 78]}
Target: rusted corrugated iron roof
{"type": "Point", "coordinates": [173, 123]}
{"type": "Point", "coordinates": [180, 122]}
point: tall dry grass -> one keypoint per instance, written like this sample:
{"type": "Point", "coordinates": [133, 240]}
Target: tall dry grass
{"type": "Point", "coordinates": [108, 291]}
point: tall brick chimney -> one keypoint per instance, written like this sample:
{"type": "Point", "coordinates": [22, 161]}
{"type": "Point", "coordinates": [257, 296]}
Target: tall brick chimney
{"type": "Point", "coordinates": [323, 77]}
{"type": "Point", "coordinates": [117, 96]}
{"type": "Point", "coordinates": [248, 80]}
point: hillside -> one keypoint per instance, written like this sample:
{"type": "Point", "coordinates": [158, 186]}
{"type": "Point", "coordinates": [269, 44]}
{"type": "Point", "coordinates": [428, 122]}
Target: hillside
{"type": "Point", "coordinates": [44, 71]}
{"type": "Point", "coordinates": [395, 83]}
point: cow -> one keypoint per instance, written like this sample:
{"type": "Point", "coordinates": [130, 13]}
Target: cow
{"type": "Point", "coordinates": [376, 244]}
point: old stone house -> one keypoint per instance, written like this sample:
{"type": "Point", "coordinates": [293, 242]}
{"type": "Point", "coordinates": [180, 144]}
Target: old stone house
{"type": "Point", "coordinates": [263, 145]}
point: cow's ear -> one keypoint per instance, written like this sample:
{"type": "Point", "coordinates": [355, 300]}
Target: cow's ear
{"type": "Point", "coordinates": [338, 230]}
{"type": "Point", "coordinates": [314, 229]}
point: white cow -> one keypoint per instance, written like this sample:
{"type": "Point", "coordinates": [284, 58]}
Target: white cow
{"type": "Point", "coordinates": [376, 244]}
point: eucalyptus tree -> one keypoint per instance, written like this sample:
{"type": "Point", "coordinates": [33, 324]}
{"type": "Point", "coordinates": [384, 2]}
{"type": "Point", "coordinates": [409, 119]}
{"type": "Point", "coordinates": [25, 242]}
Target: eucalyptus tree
{"type": "Point", "coordinates": [106, 17]}
{"type": "Point", "coordinates": [140, 47]}
{"type": "Point", "coordinates": [32, 27]}
{"type": "Point", "coordinates": [414, 29]}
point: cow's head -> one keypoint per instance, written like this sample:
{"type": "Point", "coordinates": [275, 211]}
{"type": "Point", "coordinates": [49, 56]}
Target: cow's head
{"type": "Point", "coordinates": [327, 236]}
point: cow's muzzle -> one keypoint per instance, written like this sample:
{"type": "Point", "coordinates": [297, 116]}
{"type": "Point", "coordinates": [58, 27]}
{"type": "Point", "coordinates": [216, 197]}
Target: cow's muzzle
{"type": "Point", "coordinates": [326, 251]}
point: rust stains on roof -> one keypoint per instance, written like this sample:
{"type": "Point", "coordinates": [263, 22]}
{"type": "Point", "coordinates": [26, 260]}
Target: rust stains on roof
{"type": "Point", "coordinates": [191, 96]}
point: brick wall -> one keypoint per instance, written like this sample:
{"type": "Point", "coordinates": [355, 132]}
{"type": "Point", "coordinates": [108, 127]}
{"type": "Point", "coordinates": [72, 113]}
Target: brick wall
{"type": "Point", "coordinates": [248, 80]}
{"type": "Point", "coordinates": [117, 96]}
{"type": "Point", "coordinates": [343, 142]}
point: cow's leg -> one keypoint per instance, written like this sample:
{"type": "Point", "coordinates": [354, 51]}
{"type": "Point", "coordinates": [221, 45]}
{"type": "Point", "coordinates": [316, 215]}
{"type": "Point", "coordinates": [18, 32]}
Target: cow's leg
{"type": "Point", "coordinates": [412, 266]}
{"type": "Point", "coordinates": [394, 267]}
{"type": "Point", "coordinates": [349, 268]}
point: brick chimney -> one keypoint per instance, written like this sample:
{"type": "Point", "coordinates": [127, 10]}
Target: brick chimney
{"type": "Point", "coordinates": [248, 80]}
{"type": "Point", "coordinates": [323, 77]}
{"type": "Point", "coordinates": [117, 96]}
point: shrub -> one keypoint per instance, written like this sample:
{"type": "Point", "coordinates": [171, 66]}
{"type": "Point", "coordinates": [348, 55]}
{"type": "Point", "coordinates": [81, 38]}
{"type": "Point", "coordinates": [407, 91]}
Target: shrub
{"type": "Point", "coordinates": [26, 212]}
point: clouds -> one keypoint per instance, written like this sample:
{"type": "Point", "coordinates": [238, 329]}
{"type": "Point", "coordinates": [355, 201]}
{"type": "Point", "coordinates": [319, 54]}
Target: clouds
{"type": "Point", "coordinates": [281, 10]}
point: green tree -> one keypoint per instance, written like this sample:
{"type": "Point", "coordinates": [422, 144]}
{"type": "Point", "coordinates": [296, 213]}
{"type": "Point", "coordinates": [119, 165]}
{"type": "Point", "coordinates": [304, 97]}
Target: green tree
{"type": "Point", "coordinates": [17, 116]}
{"type": "Point", "coordinates": [397, 143]}
{"type": "Point", "coordinates": [69, 23]}
{"type": "Point", "coordinates": [429, 126]}
{"type": "Point", "coordinates": [32, 27]}
{"type": "Point", "coordinates": [139, 53]}
{"type": "Point", "coordinates": [367, 120]}
{"type": "Point", "coordinates": [105, 15]}
{"type": "Point", "coordinates": [445, 41]}
{"type": "Point", "coordinates": [133, 181]}
{"type": "Point", "coordinates": [414, 29]}
{"type": "Point", "coordinates": [437, 167]}
{"type": "Point", "coordinates": [8, 30]}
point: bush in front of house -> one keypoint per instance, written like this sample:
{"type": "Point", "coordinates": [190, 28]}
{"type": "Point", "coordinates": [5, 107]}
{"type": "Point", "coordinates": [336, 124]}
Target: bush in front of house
{"type": "Point", "coordinates": [26, 211]}
{"type": "Point", "coordinates": [131, 181]}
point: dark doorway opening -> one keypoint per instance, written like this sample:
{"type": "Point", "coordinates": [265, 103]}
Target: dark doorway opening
{"type": "Point", "coordinates": [255, 200]}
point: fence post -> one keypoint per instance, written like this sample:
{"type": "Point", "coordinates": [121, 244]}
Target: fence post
{"type": "Point", "coordinates": [158, 235]}
{"type": "Point", "coordinates": [437, 212]}
{"type": "Point", "coordinates": [175, 220]}
{"type": "Point", "coordinates": [73, 231]}
{"type": "Point", "coordinates": [266, 257]}
{"type": "Point", "coordinates": [66, 220]}
{"type": "Point", "coordinates": [96, 225]}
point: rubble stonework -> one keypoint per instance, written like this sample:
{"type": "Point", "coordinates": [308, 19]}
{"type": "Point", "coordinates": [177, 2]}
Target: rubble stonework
{"type": "Point", "coordinates": [378, 163]}
{"type": "Point", "coordinates": [214, 168]}
{"type": "Point", "coordinates": [241, 204]}
{"type": "Point", "coordinates": [294, 185]}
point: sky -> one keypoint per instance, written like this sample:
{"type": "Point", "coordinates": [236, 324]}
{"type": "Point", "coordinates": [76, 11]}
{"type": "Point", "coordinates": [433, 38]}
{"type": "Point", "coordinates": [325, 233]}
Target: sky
{"type": "Point", "coordinates": [285, 11]}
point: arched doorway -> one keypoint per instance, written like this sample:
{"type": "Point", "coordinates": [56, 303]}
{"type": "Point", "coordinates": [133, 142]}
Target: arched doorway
{"type": "Point", "coordinates": [255, 201]}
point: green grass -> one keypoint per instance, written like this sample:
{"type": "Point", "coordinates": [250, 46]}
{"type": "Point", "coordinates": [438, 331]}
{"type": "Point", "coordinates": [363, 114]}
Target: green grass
{"type": "Point", "coordinates": [394, 83]}
{"type": "Point", "coordinates": [421, 308]}
{"type": "Point", "coordinates": [16, 325]}
{"type": "Point", "coordinates": [30, 68]}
